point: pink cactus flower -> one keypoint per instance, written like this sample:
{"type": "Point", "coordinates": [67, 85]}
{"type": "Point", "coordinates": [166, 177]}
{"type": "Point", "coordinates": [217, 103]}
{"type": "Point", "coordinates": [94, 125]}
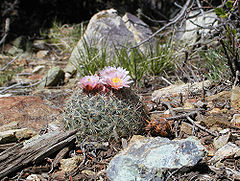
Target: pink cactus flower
{"type": "Point", "coordinates": [89, 82]}
{"type": "Point", "coordinates": [116, 78]}
{"type": "Point", "coordinates": [109, 70]}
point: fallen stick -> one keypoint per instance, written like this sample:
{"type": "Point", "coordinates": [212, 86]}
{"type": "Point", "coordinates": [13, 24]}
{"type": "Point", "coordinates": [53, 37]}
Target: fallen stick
{"type": "Point", "coordinates": [21, 155]}
{"type": "Point", "coordinates": [201, 127]}
{"type": "Point", "coordinates": [2, 69]}
{"type": "Point", "coordinates": [7, 25]}
{"type": "Point", "coordinates": [182, 116]}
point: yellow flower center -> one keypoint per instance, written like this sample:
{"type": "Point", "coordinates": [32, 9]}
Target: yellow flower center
{"type": "Point", "coordinates": [116, 81]}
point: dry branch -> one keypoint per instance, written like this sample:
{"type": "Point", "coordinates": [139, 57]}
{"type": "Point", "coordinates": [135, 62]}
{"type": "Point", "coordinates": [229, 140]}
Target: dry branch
{"type": "Point", "coordinates": [7, 25]}
{"type": "Point", "coordinates": [21, 155]}
{"type": "Point", "coordinates": [173, 21]}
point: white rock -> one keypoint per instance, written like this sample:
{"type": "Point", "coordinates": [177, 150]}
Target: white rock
{"type": "Point", "coordinates": [33, 177]}
{"type": "Point", "coordinates": [42, 54]}
{"type": "Point", "coordinates": [70, 164]}
{"type": "Point", "coordinates": [191, 30]}
{"type": "Point", "coordinates": [5, 95]}
{"type": "Point", "coordinates": [140, 30]}
{"type": "Point", "coordinates": [229, 150]}
{"type": "Point", "coordinates": [224, 131]}
{"type": "Point", "coordinates": [106, 29]}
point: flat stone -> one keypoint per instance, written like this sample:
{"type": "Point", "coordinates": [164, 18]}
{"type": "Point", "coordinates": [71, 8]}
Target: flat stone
{"type": "Point", "coordinates": [221, 96]}
{"type": "Point", "coordinates": [54, 77]}
{"type": "Point", "coordinates": [10, 136]}
{"type": "Point", "coordinates": [228, 150]}
{"type": "Point", "coordinates": [70, 164]}
{"type": "Point", "coordinates": [9, 126]}
{"type": "Point", "coordinates": [28, 111]}
{"type": "Point", "coordinates": [186, 128]}
{"type": "Point", "coordinates": [215, 122]}
{"type": "Point", "coordinates": [221, 141]}
{"type": "Point", "coordinates": [14, 51]}
{"type": "Point", "coordinates": [20, 42]}
{"type": "Point", "coordinates": [147, 158]}
{"type": "Point", "coordinates": [39, 44]}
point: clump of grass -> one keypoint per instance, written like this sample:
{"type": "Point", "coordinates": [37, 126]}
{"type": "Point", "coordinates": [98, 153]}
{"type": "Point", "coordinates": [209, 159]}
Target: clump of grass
{"type": "Point", "coordinates": [91, 59]}
{"type": "Point", "coordinates": [63, 36]}
{"type": "Point", "coordinates": [162, 59]}
{"type": "Point", "coordinates": [153, 62]}
{"type": "Point", "coordinates": [134, 61]}
{"type": "Point", "coordinates": [5, 76]}
{"type": "Point", "coordinates": [215, 65]}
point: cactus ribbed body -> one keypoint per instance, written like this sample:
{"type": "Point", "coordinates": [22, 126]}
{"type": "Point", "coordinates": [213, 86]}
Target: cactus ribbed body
{"type": "Point", "coordinates": [104, 116]}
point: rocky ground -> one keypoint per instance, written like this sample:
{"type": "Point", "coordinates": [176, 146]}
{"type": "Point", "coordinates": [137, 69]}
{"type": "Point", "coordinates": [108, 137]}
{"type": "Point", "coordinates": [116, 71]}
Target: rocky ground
{"type": "Point", "coordinates": [209, 111]}
{"type": "Point", "coordinates": [193, 130]}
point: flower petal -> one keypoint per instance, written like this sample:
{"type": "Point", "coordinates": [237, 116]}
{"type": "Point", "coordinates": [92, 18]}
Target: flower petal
{"type": "Point", "coordinates": [89, 82]}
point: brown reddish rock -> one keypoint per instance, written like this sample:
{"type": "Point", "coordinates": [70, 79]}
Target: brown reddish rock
{"type": "Point", "coordinates": [28, 111]}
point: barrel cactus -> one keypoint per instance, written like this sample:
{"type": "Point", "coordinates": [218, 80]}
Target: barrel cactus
{"type": "Point", "coordinates": [103, 108]}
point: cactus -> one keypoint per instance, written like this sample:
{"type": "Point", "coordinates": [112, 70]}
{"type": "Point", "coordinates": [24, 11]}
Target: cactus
{"type": "Point", "coordinates": [103, 116]}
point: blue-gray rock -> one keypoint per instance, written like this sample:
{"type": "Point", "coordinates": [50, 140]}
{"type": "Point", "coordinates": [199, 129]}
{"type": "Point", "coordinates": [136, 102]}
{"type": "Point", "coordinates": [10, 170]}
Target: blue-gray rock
{"type": "Point", "coordinates": [148, 158]}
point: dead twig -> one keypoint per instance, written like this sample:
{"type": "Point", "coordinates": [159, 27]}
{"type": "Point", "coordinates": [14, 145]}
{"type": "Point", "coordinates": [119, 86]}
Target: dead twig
{"type": "Point", "coordinates": [201, 127]}
{"type": "Point", "coordinates": [59, 156]}
{"type": "Point", "coordinates": [20, 85]}
{"type": "Point", "coordinates": [182, 116]}
{"type": "Point", "coordinates": [6, 30]}
{"type": "Point", "coordinates": [173, 21]}
{"type": "Point", "coordinates": [167, 81]}
{"type": "Point", "coordinates": [236, 78]}
{"type": "Point", "coordinates": [200, 7]}
{"type": "Point", "coordinates": [2, 69]}
{"type": "Point", "coordinates": [51, 162]}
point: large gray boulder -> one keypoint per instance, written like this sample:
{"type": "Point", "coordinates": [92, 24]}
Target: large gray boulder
{"type": "Point", "coordinates": [107, 31]}
{"type": "Point", "coordinates": [140, 31]}
{"type": "Point", "coordinates": [149, 158]}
